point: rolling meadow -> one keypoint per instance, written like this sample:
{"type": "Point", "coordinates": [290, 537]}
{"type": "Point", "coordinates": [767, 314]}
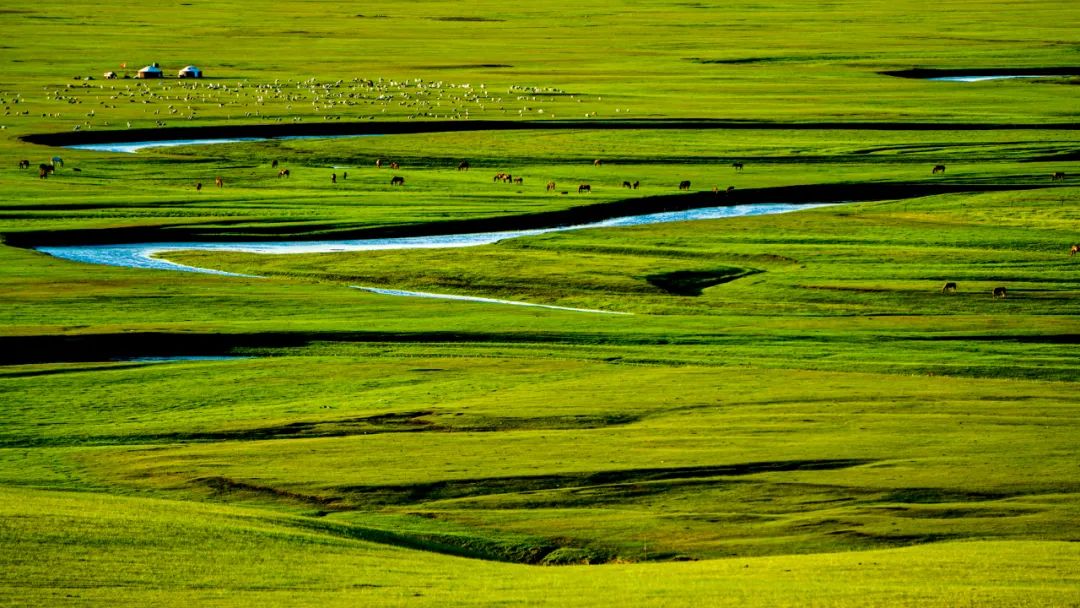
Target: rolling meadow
{"type": "Point", "coordinates": [760, 410]}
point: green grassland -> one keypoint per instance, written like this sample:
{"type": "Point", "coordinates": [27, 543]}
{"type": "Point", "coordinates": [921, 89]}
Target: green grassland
{"type": "Point", "coordinates": [793, 413]}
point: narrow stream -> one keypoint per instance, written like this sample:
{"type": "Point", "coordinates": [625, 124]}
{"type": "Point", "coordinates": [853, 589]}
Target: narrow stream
{"type": "Point", "coordinates": [148, 255]}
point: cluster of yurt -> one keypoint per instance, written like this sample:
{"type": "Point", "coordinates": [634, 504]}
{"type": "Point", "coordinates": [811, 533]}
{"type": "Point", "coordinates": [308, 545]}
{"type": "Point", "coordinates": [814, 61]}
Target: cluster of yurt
{"type": "Point", "coordinates": [154, 71]}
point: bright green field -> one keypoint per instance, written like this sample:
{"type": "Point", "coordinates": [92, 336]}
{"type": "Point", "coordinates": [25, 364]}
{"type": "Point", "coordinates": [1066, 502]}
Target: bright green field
{"type": "Point", "coordinates": [791, 414]}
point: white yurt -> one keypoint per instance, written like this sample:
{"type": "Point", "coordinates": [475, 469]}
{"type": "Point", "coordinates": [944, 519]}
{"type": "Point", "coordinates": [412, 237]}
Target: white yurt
{"type": "Point", "coordinates": [151, 71]}
{"type": "Point", "coordinates": [190, 72]}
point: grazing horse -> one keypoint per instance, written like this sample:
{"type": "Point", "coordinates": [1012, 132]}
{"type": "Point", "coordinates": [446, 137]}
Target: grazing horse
{"type": "Point", "coordinates": [463, 166]}
{"type": "Point", "coordinates": [938, 169]}
{"type": "Point", "coordinates": [503, 177]}
{"type": "Point", "coordinates": [57, 161]}
{"type": "Point", "coordinates": [394, 165]}
{"type": "Point", "coordinates": [220, 183]}
{"type": "Point", "coordinates": [584, 188]}
{"type": "Point", "coordinates": [1057, 176]}
{"type": "Point", "coordinates": [519, 180]}
{"type": "Point", "coordinates": [273, 165]}
{"type": "Point", "coordinates": [198, 186]}
{"type": "Point", "coordinates": [333, 178]}
{"type": "Point", "coordinates": [24, 164]}
{"type": "Point", "coordinates": [397, 180]}
{"type": "Point", "coordinates": [950, 286]}
{"type": "Point", "coordinates": [999, 292]}
{"type": "Point", "coordinates": [597, 162]}
{"type": "Point", "coordinates": [626, 185]}
{"type": "Point", "coordinates": [550, 186]}
{"type": "Point", "coordinates": [378, 163]}
{"type": "Point", "coordinates": [283, 173]}
{"type": "Point", "coordinates": [635, 184]}
{"type": "Point", "coordinates": [45, 169]}
{"type": "Point", "coordinates": [730, 189]}
{"type": "Point", "coordinates": [1074, 249]}
{"type": "Point", "coordinates": [684, 185]}
{"type": "Point", "coordinates": [737, 166]}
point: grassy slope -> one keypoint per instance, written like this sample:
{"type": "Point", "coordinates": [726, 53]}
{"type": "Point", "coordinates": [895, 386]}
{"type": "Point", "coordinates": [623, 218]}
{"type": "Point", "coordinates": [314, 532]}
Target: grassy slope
{"type": "Point", "coordinates": [834, 402]}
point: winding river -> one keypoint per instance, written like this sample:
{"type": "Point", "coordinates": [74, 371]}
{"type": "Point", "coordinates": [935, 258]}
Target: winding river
{"type": "Point", "coordinates": [149, 255]}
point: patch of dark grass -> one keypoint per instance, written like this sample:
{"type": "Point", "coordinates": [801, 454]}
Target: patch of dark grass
{"type": "Point", "coordinates": [693, 282]}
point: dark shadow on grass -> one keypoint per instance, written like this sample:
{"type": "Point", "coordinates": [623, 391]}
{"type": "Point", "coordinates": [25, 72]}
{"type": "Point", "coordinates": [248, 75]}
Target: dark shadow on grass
{"type": "Point", "coordinates": [693, 282]}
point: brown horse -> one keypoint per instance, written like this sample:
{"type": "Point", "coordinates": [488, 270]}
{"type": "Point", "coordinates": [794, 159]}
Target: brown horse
{"type": "Point", "coordinates": [938, 169]}
{"type": "Point", "coordinates": [505, 178]}
{"type": "Point", "coordinates": [1057, 176]}
{"type": "Point", "coordinates": [1074, 249]}
{"type": "Point", "coordinates": [519, 181]}
{"type": "Point", "coordinates": [684, 185]}
{"type": "Point", "coordinates": [397, 180]}
{"type": "Point", "coordinates": [999, 292]}
{"type": "Point", "coordinates": [584, 188]}
{"type": "Point", "coordinates": [550, 186]}
{"type": "Point", "coordinates": [395, 165]}
{"type": "Point", "coordinates": [950, 286]}
{"type": "Point", "coordinates": [45, 169]}
{"type": "Point", "coordinates": [463, 166]}
{"type": "Point", "coordinates": [597, 162]}
{"type": "Point", "coordinates": [219, 182]}
{"type": "Point", "coordinates": [283, 173]}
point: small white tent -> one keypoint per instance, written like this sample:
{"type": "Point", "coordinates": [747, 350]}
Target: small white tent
{"type": "Point", "coordinates": [190, 72]}
{"type": "Point", "coordinates": [151, 71]}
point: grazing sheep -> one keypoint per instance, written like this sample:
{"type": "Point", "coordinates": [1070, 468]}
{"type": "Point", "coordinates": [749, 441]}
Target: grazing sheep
{"type": "Point", "coordinates": [597, 162]}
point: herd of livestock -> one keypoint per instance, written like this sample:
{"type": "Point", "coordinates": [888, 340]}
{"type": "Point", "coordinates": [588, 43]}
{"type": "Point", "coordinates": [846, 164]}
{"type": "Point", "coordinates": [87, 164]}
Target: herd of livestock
{"type": "Point", "coordinates": [45, 169]}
